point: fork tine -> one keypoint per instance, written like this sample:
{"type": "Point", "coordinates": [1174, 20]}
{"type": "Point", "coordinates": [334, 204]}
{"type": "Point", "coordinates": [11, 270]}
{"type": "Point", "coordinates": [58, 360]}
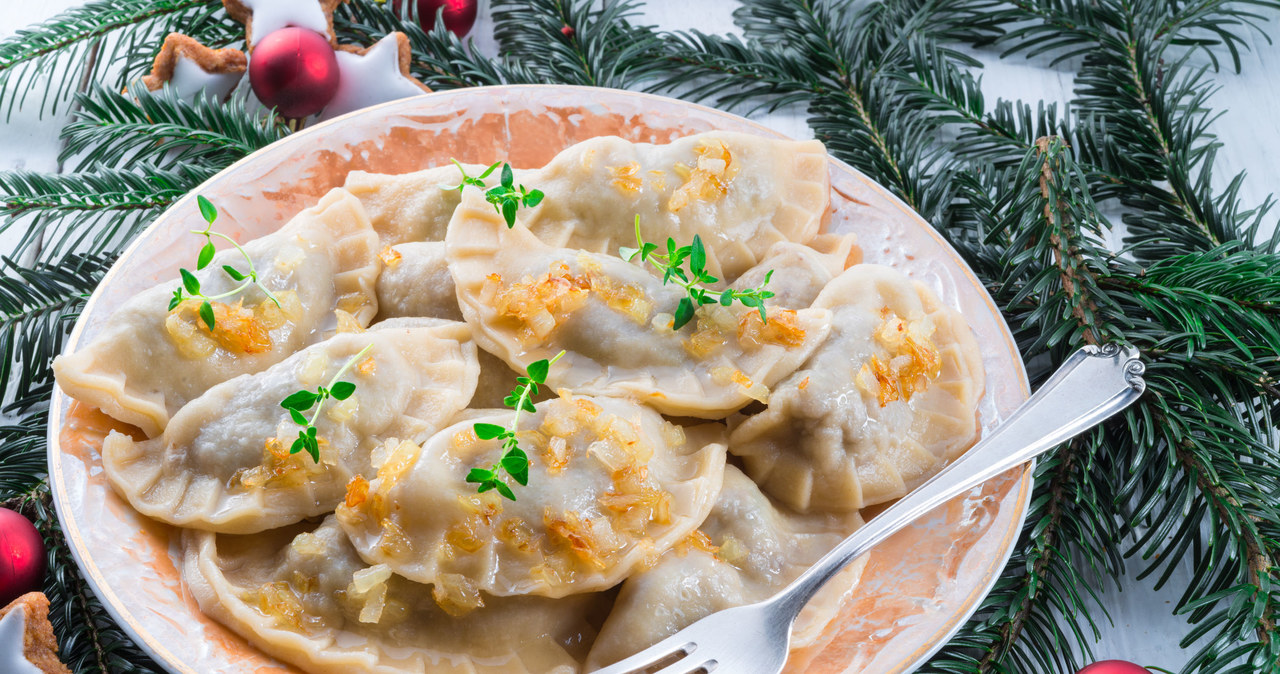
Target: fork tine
{"type": "Point", "coordinates": [664, 657]}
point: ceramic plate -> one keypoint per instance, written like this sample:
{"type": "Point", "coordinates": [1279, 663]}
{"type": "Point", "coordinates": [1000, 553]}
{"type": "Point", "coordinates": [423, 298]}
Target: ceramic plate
{"type": "Point", "coordinates": [916, 588]}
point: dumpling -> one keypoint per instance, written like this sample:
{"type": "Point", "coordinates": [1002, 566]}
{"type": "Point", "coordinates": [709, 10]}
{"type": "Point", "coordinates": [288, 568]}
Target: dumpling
{"type": "Point", "coordinates": [307, 599]}
{"type": "Point", "coordinates": [148, 361]}
{"type": "Point", "coordinates": [410, 206]}
{"type": "Point", "coordinates": [612, 484]}
{"type": "Point", "coordinates": [888, 399]}
{"type": "Point", "coordinates": [746, 551]}
{"type": "Point", "coordinates": [741, 193]}
{"type": "Point", "coordinates": [224, 464]}
{"type": "Point", "coordinates": [801, 271]}
{"type": "Point", "coordinates": [527, 301]}
{"type": "Point", "coordinates": [416, 282]}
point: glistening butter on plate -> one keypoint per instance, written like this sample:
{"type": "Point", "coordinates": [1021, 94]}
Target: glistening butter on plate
{"type": "Point", "coordinates": [914, 590]}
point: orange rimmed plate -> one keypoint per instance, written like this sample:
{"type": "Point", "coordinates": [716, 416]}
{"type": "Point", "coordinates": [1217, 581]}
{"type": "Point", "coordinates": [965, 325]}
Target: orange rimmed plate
{"type": "Point", "coordinates": [916, 588]}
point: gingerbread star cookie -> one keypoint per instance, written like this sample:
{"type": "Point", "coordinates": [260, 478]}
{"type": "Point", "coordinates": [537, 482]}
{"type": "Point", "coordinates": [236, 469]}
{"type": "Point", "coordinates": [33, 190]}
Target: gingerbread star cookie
{"type": "Point", "coordinates": [27, 644]}
{"type": "Point", "coordinates": [263, 17]}
{"type": "Point", "coordinates": [374, 75]}
{"type": "Point", "coordinates": [190, 68]}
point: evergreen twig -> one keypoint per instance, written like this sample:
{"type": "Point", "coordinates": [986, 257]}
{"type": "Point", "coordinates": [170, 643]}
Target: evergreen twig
{"type": "Point", "coordinates": [51, 57]}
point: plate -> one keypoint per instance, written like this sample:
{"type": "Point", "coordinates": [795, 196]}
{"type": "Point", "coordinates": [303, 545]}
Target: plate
{"type": "Point", "coordinates": [916, 588]}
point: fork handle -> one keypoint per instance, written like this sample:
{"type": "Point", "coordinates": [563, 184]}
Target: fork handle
{"type": "Point", "coordinates": [1091, 386]}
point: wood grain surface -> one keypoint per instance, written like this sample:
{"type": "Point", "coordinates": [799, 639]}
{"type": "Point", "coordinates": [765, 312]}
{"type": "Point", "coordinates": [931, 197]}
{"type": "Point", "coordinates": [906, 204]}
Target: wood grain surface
{"type": "Point", "coordinates": [1142, 628]}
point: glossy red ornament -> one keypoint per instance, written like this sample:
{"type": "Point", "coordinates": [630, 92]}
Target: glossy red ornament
{"type": "Point", "coordinates": [21, 556]}
{"type": "Point", "coordinates": [459, 15]}
{"type": "Point", "coordinates": [1114, 667]}
{"type": "Point", "coordinates": [294, 71]}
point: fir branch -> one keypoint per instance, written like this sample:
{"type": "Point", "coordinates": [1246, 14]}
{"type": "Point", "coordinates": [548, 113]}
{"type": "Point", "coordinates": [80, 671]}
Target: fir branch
{"type": "Point", "coordinates": [22, 453]}
{"type": "Point", "coordinates": [38, 306]}
{"type": "Point", "coordinates": [1055, 254]}
{"type": "Point", "coordinates": [572, 42]}
{"type": "Point", "coordinates": [440, 59]}
{"type": "Point", "coordinates": [51, 57]}
{"type": "Point", "coordinates": [90, 212]}
{"type": "Point", "coordinates": [1135, 88]}
{"type": "Point", "coordinates": [139, 126]}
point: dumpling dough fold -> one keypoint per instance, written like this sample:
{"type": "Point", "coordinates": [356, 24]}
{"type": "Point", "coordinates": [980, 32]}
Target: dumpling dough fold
{"type": "Point", "coordinates": [528, 301]}
{"type": "Point", "coordinates": [223, 463]}
{"type": "Point", "coordinates": [147, 362]}
{"type": "Point", "coordinates": [611, 485]}
{"type": "Point", "coordinates": [307, 599]}
{"type": "Point", "coordinates": [888, 399]}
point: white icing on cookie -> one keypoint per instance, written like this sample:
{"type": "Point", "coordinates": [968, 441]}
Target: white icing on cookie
{"type": "Point", "coordinates": [370, 78]}
{"type": "Point", "coordinates": [272, 15]}
{"type": "Point", "coordinates": [13, 658]}
{"type": "Point", "coordinates": [189, 79]}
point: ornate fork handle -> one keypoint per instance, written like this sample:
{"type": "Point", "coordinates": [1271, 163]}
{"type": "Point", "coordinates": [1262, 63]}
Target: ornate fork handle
{"type": "Point", "coordinates": [1092, 385]}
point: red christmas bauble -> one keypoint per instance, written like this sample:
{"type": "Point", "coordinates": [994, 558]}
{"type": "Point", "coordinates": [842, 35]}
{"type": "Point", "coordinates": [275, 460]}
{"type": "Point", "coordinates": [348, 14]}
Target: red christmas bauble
{"type": "Point", "coordinates": [1114, 667]}
{"type": "Point", "coordinates": [459, 15]}
{"type": "Point", "coordinates": [21, 556]}
{"type": "Point", "coordinates": [294, 71]}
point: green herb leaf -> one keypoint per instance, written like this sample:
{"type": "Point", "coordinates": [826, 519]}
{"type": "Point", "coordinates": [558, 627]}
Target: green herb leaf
{"type": "Point", "coordinates": [206, 255]}
{"type": "Point", "coordinates": [342, 390]}
{"type": "Point", "coordinates": [207, 210]}
{"type": "Point", "coordinates": [480, 475]}
{"type": "Point", "coordinates": [538, 370]}
{"type": "Point", "coordinates": [233, 272]}
{"type": "Point", "coordinates": [206, 313]}
{"type": "Point", "coordinates": [532, 198]}
{"type": "Point", "coordinates": [509, 213]}
{"type": "Point", "coordinates": [508, 176]}
{"type": "Point", "coordinates": [489, 431]}
{"type": "Point", "coordinates": [491, 169]}
{"type": "Point", "coordinates": [190, 282]}
{"type": "Point", "coordinates": [628, 254]}
{"type": "Point", "coordinates": [297, 416]}
{"type": "Point", "coordinates": [301, 401]}
{"type": "Point", "coordinates": [684, 313]}
{"type": "Point", "coordinates": [504, 489]}
{"type": "Point", "coordinates": [176, 299]}
{"type": "Point", "coordinates": [697, 257]}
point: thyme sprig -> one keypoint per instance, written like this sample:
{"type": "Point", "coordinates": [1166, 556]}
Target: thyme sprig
{"type": "Point", "coordinates": [671, 266]}
{"type": "Point", "coordinates": [506, 197]}
{"type": "Point", "coordinates": [303, 400]}
{"type": "Point", "coordinates": [191, 284]}
{"type": "Point", "coordinates": [514, 459]}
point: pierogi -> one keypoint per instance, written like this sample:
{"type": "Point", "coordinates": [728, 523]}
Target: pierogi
{"type": "Point", "coordinates": [149, 361]}
{"type": "Point", "coordinates": [612, 485]}
{"type": "Point", "coordinates": [224, 461]}
{"type": "Point", "coordinates": [746, 551]}
{"type": "Point", "coordinates": [882, 405]}
{"type": "Point", "coordinates": [307, 598]}
{"type": "Point", "coordinates": [528, 301]}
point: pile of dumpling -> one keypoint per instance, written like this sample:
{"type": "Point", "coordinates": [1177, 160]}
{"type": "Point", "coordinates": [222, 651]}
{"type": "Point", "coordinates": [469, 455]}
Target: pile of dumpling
{"type": "Point", "coordinates": [674, 472]}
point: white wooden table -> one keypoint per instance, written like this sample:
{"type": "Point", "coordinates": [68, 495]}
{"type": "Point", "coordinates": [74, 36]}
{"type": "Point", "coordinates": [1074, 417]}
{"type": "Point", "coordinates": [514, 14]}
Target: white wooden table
{"type": "Point", "coordinates": [1142, 629]}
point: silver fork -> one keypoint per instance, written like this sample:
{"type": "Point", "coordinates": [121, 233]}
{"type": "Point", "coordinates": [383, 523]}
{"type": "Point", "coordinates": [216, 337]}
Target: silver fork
{"type": "Point", "coordinates": [1094, 384]}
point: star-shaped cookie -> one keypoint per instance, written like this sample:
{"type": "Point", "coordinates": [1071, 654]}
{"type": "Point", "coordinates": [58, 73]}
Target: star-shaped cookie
{"type": "Point", "coordinates": [374, 75]}
{"type": "Point", "coordinates": [190, 68]}
{"type": "Point", "coordinates": [26, 637]}
{"type": "Point", "coordinates": [263, 17]}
